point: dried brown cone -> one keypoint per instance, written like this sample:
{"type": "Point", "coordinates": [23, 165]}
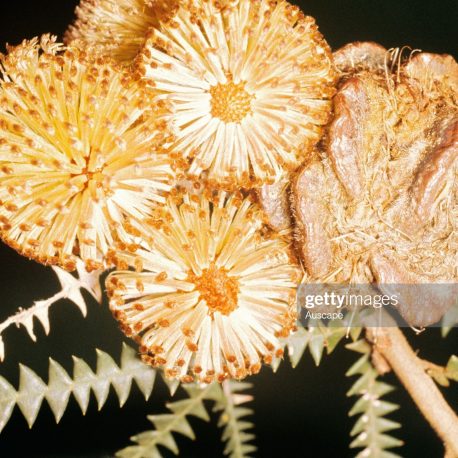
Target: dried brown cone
{"type": "Point", "coordinates": [379, 203]}
{"type": "Point", "coordinates": [351, 58]}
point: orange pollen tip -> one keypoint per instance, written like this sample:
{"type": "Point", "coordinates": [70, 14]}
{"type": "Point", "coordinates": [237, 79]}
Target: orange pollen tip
{"type": "Point", "coordinates": [230, 102]}
{"type": "Point", "coordinates": [217, 289]}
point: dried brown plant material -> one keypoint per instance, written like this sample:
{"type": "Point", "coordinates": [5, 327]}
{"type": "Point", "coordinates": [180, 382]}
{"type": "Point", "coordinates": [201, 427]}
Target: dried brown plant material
{"type": "Point", "coordinates": [82, 158]}
{"type": "Point", "coordinates": [250, 83]}
{"type": "Point", "coordinates": [360, 55]}
{"type": "Point", "coordinates": [311, 214]}
{"type": "Point", "coordinates": [381, 204]}
{"type": "Point", "coordinates": [118, 28]}
{"type": "Point", "coordinates": [213, 296]}
{"type": "Point", "coordinates": [274, 200]}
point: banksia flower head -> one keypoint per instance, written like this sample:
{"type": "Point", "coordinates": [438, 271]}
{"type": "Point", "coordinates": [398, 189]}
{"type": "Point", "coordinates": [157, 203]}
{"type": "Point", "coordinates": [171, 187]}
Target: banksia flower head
{"type": "Point", "coordinates": [250, 82]}
{"type": "Point", "coordinates": [213, 295]}
{"type": "Point", "coordinates": [81, 155]}
{"type": "Point", "coordinates": [118, 28]}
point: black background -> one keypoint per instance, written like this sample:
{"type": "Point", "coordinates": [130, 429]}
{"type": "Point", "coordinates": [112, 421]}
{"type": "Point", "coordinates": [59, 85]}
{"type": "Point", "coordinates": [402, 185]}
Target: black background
{"type": "Point", "coordinates": [300, 412]}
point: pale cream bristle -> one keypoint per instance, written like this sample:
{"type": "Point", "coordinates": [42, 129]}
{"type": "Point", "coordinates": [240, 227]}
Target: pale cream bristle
{"type": "Point", "coordinates": [83, 154]}
{"type": "Point", "coordinates": [223, 305]}
{"type": "Point", "coordinates": [250, 83]}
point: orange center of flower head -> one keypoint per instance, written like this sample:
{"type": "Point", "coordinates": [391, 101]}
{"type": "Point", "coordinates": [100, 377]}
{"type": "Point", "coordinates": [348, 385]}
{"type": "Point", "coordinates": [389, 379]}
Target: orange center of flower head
{"type": "Point", "coordinates": [217, 289]}
{"type": "Point", "coordinates": [230, 102]}
{"type": "Point", "coordinates": [87, 174]}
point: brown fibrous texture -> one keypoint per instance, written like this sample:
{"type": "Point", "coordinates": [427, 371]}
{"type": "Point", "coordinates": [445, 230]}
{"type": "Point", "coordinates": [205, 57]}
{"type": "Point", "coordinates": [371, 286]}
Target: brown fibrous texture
{"type": "Point", "coordinates": [379, 201]}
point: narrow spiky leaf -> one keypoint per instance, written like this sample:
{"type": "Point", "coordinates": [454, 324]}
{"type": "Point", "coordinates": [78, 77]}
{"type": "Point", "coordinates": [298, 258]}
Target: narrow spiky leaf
{"type": "Point", "coordinates": [146, 443]}
{"type": "Point", "coordinates": [32, 389]}
{"type": "Point", "coordinates": [70, 289]}
{"type": "Point", "coordinates": [235, 430]}
{"type": "Point", "coordinates": [371, 428]}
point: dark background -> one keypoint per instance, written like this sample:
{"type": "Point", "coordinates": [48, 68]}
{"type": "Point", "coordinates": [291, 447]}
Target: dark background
{"type": "Point", "coordinates": [300, 412]}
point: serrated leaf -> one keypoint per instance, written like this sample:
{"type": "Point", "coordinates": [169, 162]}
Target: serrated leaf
{"type": "Point", "coordinates": [59, 389]}
{"type": "Point", "coordinates": [31, 393]}
{"type": "Point", "coordinates": [240, 412]}
{"type": "Point", "coordinates": [32, 389]}
{"type": "Point", "coordinates": [360, 346]}
{"type": "Point", "coordinates": [85, 377]}
{"type": "Point", "coordinates": [28, 325]}
{"type": "Point", "coordinates": [384, 424]}
{"type": "Point", "coordinates": [439, 377]}
{"type": "Point", "coordinates": [198, 410]}
{"type": "Point", "coordinates": [175, 422]}
{"type": "Point", "coordinates": [386, 441]}
{"type": "Point", "coordinates": [70, 289]}
{"type": "Point", "coordinates": [105, 372]}
{"type": "Point", "coordinates": [296, 344]}
{"type": "Point", "coordinates": [355, 333]}
{"type": "Point", "coordinates": [335, 335]}
{"type": "Point", "coordinates": [121, 380]}
{"type": "Point", "coordinates": [362, 385]}
{"type": "Point", "coordinates": [359, 367]}
{"type": "Point", "coordinates": [162, 422]}
{"type": "Point", "coordinates": [7, 401]}
{"type": "Point", "coordinates": [452, 368]}
{"type": "Point", "coordinates": [248, 448]}
{"type": "Point", "coordinates": [381, 389]}
{"type": "Point", "coordinates": [370, 429]}
{"type": "Point", "coordinates": [380, 425]}
{"type": "Point", "coordinates": [234, 433]}
{"type": "Point", "coordinates": [275, 364]}
{"type": "Point", "coordinates": [43, 317]}
{"type": "Point", "coordinates": [449, 320]}
{"type": "Point", "coordinates": [182, 427]}
{"type": "Point", "coordinates": [144, 376]}
{"type": "Point", "coordinates": [172, 384]}
{"type": "Point", "coordinates": [316, 346]}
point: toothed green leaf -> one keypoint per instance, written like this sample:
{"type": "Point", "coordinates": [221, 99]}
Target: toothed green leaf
{"type": "Point", "coordinates": [451, 369]}
{"type": "Point", "coordinates": [32, 389]}
{"type": "Point", "coordinates": [316, 345]}
{"type": "Point", "coordinates": [7, 401]}
{"type": "Point", "coordinates": [30, 395]}
{"type": "Point", "coordinates": [370, 429]}
{"type": "Point", "coordinates": [316, 338]}
{"type": "Point", "coordinates": [235, 430]}
{"type": "Point", "coordinates": [146, 443]}
{"type": "Point", "coordinates": [334, 336]}
{"type": "Point", "coordinates": [359, 367]}
{"type": "Point", "coordinates": [59, 389]}
{"type": "Point", "coordinates": [297, 343]}
{"type": "Point", "coordinates": [449, 321]}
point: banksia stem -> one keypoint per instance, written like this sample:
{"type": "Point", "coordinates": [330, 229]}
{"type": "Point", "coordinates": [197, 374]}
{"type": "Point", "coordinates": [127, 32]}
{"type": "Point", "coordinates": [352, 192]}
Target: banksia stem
{"type": "Point", "coordinates": [393, 346]}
